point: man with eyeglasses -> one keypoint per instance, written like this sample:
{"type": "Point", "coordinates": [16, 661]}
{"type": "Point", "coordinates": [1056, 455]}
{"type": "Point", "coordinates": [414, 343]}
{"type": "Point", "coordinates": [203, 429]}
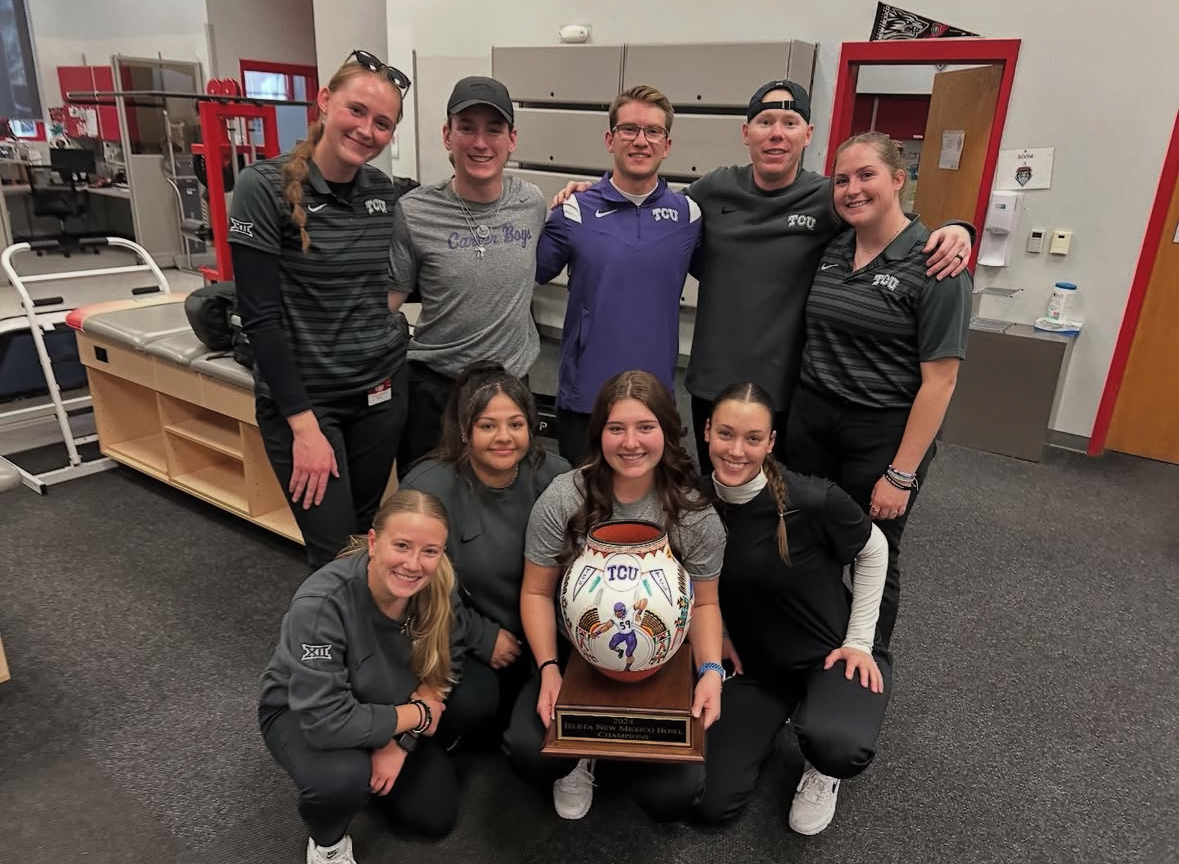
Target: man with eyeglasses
{"type": "Point", "coordinates": [766, 226]}
{"type": "Point", "coordinates": [468, 245]}
{"type": "Point", "coordinates": [627, 241]}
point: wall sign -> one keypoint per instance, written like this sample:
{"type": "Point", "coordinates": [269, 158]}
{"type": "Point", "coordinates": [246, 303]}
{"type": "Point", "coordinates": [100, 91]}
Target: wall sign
{"type": "Point", "coordinates": [1025, 169]}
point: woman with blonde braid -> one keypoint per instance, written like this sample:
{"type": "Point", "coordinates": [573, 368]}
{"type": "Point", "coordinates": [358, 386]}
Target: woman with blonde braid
{"type": "Point", "coordinates": [352, 697]}
{"type": "Point", "coordinates": [802, 645]}
{"type": "Point", "coordinates": [310, 233]}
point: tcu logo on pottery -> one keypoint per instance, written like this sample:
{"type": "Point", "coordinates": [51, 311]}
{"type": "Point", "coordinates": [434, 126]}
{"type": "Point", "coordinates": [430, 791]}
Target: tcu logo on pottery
{"type": "Point", "coordinates": [798, 221]}
{"type": "Point", "coordinates": [889, 282]}
{"type": "Point", "coordinates": [375, 205]}
{"type": "Point", "coordinates": [662, 213]}
{"type": "Point", "coordinates": [626, 603]}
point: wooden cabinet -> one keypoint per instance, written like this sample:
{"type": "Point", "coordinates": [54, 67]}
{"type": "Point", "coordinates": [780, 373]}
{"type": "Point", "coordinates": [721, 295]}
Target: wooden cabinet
{"type": "Point", "coordinates": [185, 429]}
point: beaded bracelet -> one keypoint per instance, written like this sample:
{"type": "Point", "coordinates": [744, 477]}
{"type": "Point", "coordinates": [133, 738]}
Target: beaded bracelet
{"type": "Point", "coordinates": [901, 480]}
{"type": "Point", "coordinates": [426, 714]}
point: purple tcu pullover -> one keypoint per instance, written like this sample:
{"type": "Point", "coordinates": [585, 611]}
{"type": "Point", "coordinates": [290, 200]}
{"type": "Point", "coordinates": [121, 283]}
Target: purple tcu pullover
{"type": "Point", "coordinates": [627, 267]}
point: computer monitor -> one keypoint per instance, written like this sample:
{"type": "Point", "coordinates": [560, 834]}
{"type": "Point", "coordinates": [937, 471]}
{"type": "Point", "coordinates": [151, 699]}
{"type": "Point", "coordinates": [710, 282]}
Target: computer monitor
{"type": "Point", "coordinates": [73, 164]}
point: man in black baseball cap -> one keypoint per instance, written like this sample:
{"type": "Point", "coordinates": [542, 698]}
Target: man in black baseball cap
{"type": "Point", "coordinates": [467, 245]}
{"type": "Point", "coordinates": [797, 100]}
{"type": "Point", "coordinates": [479, 90]}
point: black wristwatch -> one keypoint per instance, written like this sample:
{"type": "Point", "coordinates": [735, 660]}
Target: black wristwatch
{"type": "Point", "coordinates": [407, 741]}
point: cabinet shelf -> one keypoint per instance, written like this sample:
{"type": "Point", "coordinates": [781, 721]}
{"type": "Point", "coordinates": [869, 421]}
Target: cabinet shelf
{"type": "Point", "coordinates": [220, 483]}
{"type": "Point", "coordinates": [147, 454]}
{"type": "Point", "coordinates": [217, 433]}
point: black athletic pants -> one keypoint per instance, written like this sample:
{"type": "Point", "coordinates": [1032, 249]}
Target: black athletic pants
{"type": "Point", "coordinates": [365, 439]}
{"type": "Point", "coordinates": [853, 446]}
{"type": "Point", "coordinates": [837, 722]}
{"type": "Point", "coordinates": [572, 435]}
{"type": "Point", "coordinates": [429, 391]}
{"type": "Point", "coordinates": [333, 785]}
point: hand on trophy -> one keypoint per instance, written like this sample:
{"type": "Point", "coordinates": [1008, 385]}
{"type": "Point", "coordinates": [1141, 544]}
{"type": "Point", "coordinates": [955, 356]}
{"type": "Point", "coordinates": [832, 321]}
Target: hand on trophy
{"type": "Point", "coordinates": [550, 688]}
{"type": "Point", "coordinates": [706, 701]}
{"type": "Point", "coordinates": [506, 651]}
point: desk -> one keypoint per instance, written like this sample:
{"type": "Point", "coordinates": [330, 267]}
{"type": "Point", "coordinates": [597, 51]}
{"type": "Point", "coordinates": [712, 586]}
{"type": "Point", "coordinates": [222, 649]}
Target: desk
{"type": "Point", "coordinates": [109, 214]}
{"type": "Point", "coordinates": [1007, 389]}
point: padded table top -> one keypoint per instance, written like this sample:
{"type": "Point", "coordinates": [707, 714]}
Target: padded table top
{"type": "Point", "coordinates": [139, 327]}
{"type": "Point", "coordinates": [224, 369]}
{"type": "Point", "coordinates": [180, 348]}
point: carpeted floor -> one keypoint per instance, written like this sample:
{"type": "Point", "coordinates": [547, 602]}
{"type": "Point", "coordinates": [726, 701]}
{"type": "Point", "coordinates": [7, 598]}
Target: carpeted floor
{"type": "Point", "coordinates": [1035, 716]}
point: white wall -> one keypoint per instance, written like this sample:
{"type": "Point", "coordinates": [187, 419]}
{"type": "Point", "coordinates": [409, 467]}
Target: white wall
{"type": "Point", "coordinates": [1103, 96]}
{"type": "Point", "coordinates": [71, 33]}
{"type": "Point", "coordinates": [342, 26]}
{"type": "Point", "coordinates": [277, 31]}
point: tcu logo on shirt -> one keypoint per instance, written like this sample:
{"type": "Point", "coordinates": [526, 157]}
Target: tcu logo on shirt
{"type": "Point", "coordinates": [889, 282]}
{"type": "Point", "coordinates": [662, 213]}
{"type": "Point", "coordinates": [798, 221]}
{"type": "Point", "coordinates": [375, 205]}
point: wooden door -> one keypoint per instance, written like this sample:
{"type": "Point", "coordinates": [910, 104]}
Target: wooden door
{"type": "Point", "coordinates": [1146, 416]}
{"type": "Point", "coordinates": [963, 100]}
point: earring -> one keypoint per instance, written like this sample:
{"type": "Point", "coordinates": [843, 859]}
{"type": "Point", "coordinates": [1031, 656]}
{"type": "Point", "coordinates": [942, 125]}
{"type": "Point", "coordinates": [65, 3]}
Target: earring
{"type": "Point", "coordinates": [464, 437]}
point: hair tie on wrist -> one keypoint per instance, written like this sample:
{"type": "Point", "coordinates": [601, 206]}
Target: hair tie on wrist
{"type": "Point", "coordinates": [552, 662]}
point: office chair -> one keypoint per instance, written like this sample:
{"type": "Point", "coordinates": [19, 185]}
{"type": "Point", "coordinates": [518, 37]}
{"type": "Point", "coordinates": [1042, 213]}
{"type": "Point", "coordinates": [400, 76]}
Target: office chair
{"type": "Point", "coordinates": [60, 201]}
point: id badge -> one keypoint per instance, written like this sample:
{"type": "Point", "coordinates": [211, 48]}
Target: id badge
{"type": "Point", "coordinates": [383, 392]}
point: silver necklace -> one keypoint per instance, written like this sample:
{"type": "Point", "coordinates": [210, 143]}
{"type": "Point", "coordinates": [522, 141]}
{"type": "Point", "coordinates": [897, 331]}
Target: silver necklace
{"type": "Point", "coordinates": [480, 232]}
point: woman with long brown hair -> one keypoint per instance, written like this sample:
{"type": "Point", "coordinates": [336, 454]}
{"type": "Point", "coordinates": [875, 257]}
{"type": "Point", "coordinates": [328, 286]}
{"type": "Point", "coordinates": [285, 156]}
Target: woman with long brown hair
{"type": "Point", "coordinates": [802, 646]}
{"type": "Point", "coordinates": [353, 695]}
{"type": "Point", "coordinates": [635, 467]}
{"type": "Point", "coordinates": [488, 470]}
{"type": "Point", "coordinates": [310, 233]}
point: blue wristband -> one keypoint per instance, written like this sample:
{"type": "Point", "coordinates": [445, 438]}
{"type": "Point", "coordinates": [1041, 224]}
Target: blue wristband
{"type": "Point", "coordinates": [711, 667]}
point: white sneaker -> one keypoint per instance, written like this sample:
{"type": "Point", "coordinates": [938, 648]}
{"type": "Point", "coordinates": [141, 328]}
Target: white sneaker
{"type": "Point", "coordinates": [814, 802]}
{"type": "Point", "coordinates": [341, 853]}
{"type": "Point", "coordinates": [573, 795]}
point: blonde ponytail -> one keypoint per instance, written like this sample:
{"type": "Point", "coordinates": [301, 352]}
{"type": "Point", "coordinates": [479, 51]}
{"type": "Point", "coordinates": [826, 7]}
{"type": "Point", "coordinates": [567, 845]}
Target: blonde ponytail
{"type": "Point", "coordinates": [294, 172]}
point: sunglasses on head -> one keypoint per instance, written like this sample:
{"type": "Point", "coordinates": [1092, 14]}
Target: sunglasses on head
{"type": "Point", "coordinates": [373, 63]}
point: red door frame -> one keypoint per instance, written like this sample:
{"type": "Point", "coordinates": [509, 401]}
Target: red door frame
{"type": "Point", "coordinates": [1146, 258]}
{"type": "Point", "coordinates": [900, 52]}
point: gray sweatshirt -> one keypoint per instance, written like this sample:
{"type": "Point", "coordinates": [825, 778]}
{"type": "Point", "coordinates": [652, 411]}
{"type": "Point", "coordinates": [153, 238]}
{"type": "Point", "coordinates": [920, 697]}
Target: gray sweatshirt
{"type": "Point", "coordinates": [487, 542]}
{"type": "Point", "coordinates": [341, 664]}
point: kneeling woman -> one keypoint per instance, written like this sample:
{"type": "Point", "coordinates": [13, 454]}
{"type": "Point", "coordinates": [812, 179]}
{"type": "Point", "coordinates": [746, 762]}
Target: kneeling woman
{"type": "Point", "coordinates": [353, 694]}
{"type": "Point", "coordinates": [803, 645]}
{"type": "Point", "coordinates": [488, 471]}
{"type": "Point", "coordinates": [635, 468]}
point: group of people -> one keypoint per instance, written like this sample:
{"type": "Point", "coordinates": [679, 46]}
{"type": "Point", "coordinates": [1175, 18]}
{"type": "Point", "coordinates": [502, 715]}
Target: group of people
{"type": "Point", "coordinates": [828, 333]}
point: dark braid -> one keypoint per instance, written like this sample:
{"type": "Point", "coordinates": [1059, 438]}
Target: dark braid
{"type": "Point", "coordinates": [777, 484]}
{"type": "Point", "coordinates": [294, 172]}
{"type": "Point", "coordinates": [748, 392]}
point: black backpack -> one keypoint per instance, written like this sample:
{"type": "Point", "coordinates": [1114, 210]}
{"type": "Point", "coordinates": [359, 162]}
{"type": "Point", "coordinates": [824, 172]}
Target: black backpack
{"type": "Point", "coordinates": [212, 314]}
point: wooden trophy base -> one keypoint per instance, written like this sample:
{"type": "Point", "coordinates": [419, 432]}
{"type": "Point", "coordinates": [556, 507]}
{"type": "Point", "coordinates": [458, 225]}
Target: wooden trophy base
{"type": "Point", "coordinates": [646, 721]}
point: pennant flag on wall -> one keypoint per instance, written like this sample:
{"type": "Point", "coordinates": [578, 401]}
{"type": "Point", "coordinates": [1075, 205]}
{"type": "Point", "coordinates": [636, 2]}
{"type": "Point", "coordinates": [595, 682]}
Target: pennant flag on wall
{"type": "Point", "coordinates": [894, 23]}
